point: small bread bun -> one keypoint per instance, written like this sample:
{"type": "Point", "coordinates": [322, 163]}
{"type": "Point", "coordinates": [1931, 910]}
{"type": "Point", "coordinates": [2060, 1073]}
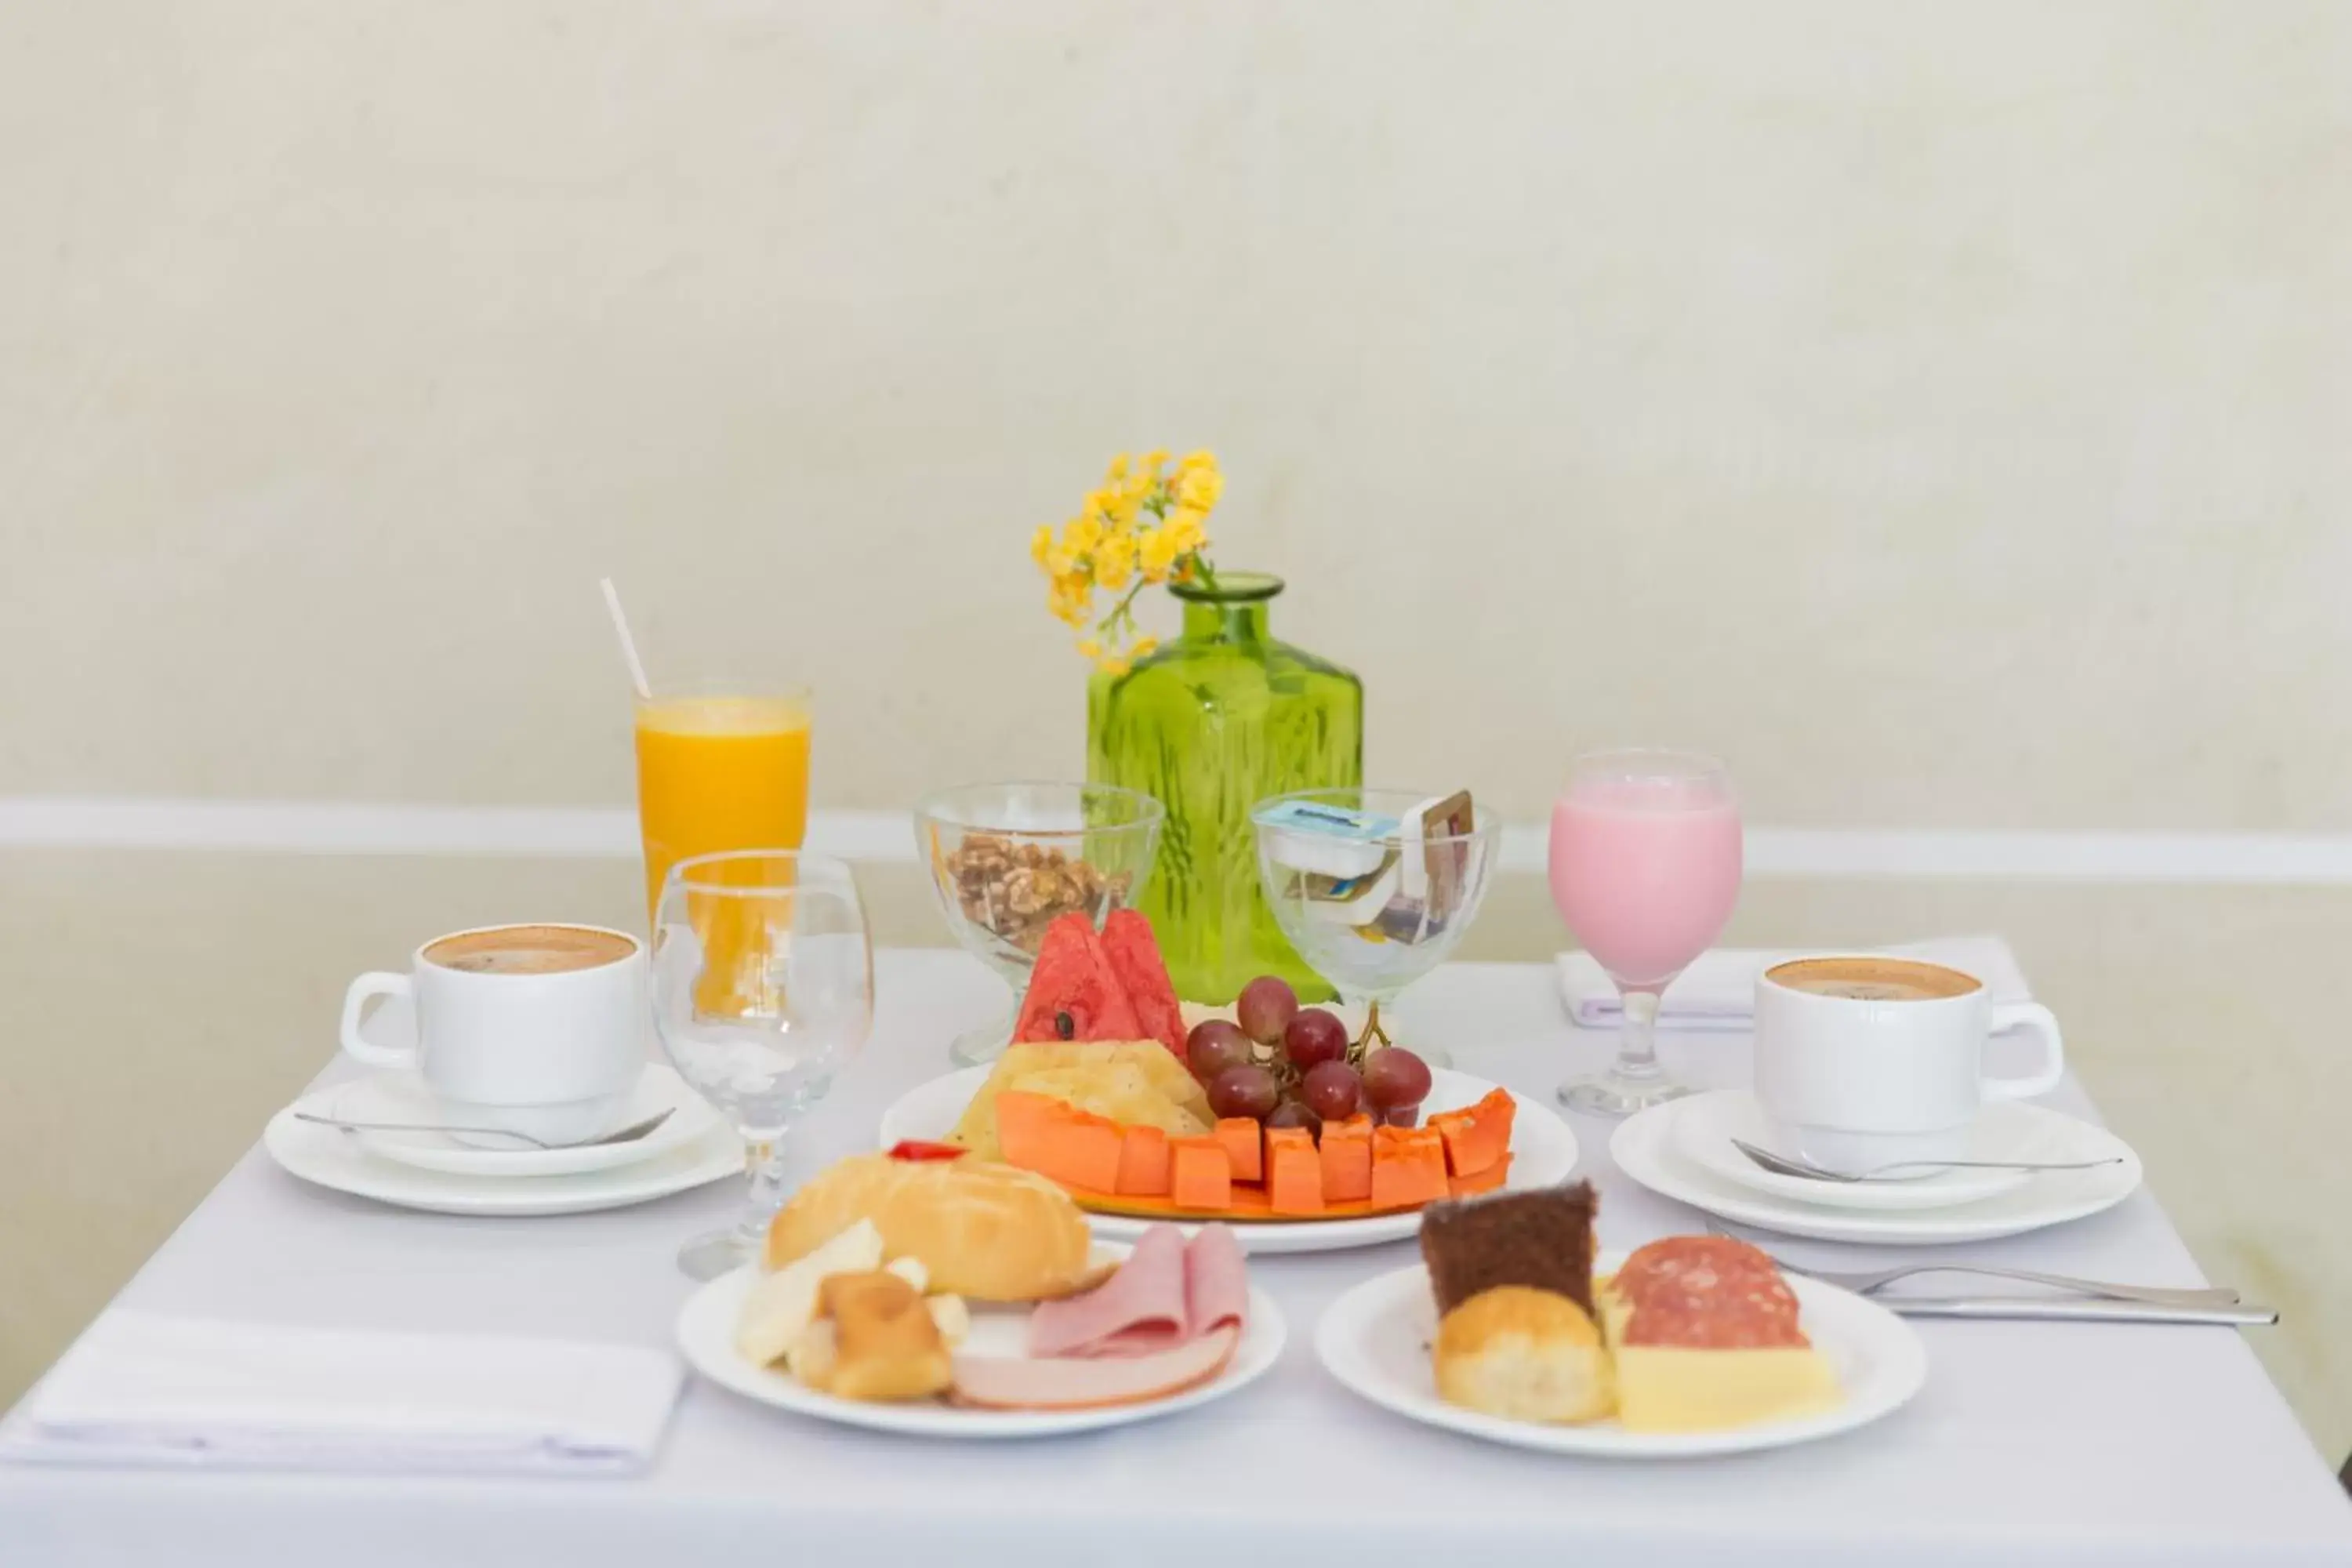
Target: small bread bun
{"type": "Point", "coordinates": [986, 1231]}
{"type": "Point", "coordinates": [886, 1346]}
{"type": "Point", "coordinates": [1524, 1354]}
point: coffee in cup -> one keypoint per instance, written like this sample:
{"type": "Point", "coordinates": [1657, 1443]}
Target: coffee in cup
{"type": "Point", "coordinates": [529, 950]}
{"type": "Point", "coordinates": [537, 1029]}
{"type": "Point", "coordinates": [1864, 1060]}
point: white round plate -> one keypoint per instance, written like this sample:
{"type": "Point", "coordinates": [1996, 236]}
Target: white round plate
{"type": "Point", "coordinates": [1644, 1147]}
{"type": "Point", "coordinates": [706, 1334]}
{"type": "Point", "coordinates": [1705, 1124]}
{"type": "Point", "coordinates": [1543, 1152]}
{"type": "Point", "coordinates": [328, 1158]}
{"type": "Point", "coordinates": [402, 1097]}
{"type": "Point", "coordinates": [1376, 1339]}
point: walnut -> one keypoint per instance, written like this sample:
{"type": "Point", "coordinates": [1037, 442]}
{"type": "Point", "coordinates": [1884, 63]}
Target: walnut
{"type": "Point", "coordinates": [1015, 890]}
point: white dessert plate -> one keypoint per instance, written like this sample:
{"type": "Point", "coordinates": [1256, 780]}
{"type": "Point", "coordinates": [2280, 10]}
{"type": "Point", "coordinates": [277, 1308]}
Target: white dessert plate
{"type": "Point", "coordinates": [706, 1335]}
{"type": "Point", "coordinates": [1543, 1152]}
{"type": "Point", "coordinates": [402, 1097]}
{"type": "Point", "coordinates": [1376, 1340]}
{"type": "Point", "coordinates": [1646, 1148]}
{"type": "Point", "coordinates": [328, 1158]}
{"type": "Point", "coordinates": [2010, 1130]}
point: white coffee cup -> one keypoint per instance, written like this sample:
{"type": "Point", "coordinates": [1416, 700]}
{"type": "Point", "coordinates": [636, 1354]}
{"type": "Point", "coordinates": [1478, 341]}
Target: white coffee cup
{"type": "Point", "coordinates": [1862, 1061]}
{"type": "Point", "coordinates": [538, 1029]}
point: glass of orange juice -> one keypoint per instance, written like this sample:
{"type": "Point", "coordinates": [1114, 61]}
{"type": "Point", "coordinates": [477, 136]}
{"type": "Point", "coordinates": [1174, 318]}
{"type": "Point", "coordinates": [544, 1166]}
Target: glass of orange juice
{"type": "Point", "coordinates": [719, 770]}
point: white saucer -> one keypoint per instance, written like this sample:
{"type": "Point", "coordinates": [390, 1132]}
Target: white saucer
{"type": "Point", "coordinates": [1543, 1152]}
{"type": "Point", "coordinates": [1376, 1339]}
{"type": "Point", "coordinates": [402, 1097]}
{"type": "Point", "coordinates": [1705, 1125]}
{"type": "Point", "coordinates": [328, 1158]}
{"type": "Point", "coordinates": [1645, 1148]}
{"type": "Point", "coordinates": [706, 1334]}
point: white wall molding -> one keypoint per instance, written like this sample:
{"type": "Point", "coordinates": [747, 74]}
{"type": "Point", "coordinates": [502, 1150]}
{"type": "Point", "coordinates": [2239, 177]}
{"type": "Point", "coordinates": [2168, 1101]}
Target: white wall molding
{"type": "Point", "coordinates": [321, 827]}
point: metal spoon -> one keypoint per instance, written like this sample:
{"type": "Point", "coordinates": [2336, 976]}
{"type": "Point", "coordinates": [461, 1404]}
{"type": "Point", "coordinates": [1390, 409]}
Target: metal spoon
{"type": "Point", "coordinates": [629, 1134]}
{"type": "Point", "coordinates": [1788, 1165]}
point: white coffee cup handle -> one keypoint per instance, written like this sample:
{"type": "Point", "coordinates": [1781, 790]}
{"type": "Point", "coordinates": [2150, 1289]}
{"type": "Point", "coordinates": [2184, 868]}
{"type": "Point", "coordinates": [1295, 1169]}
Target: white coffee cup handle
{"type": "Point", "coordinates": [375, 983]}
{"type": "Point", "coordinates": [2044, 1024]}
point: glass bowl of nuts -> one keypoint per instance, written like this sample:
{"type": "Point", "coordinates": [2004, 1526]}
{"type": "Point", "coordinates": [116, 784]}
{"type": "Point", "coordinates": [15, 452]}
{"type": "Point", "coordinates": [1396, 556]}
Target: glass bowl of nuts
{"type": "Point", "coordinates": [1007, 858]}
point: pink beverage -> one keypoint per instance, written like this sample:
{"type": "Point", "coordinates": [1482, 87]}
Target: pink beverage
{"type": "Point", "coordinates": [1645, 870]}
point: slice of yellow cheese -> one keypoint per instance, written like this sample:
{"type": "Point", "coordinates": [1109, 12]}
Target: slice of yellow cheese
{"type": "Point", "coordinates": [1678, 1388]}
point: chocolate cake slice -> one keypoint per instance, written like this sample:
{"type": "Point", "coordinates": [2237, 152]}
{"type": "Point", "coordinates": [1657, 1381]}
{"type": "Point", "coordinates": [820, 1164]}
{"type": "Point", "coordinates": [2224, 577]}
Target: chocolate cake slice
{"type": "Point", "coordinates": [1542, 1239]}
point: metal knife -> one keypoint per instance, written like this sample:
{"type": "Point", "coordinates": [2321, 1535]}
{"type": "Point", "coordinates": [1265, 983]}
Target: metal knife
{"type": "Point", "coordinates": [2065, 1309]}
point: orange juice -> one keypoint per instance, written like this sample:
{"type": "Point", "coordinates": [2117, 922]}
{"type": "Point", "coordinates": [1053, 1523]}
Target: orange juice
{"type": "Point", "coordinates": [720, 773]}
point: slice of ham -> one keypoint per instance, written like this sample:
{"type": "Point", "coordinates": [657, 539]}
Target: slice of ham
{"type": "Point", "coordinates": [1088, 1383]}
{"type": "Point", "coordinates": [1168, 1293]}
{"type": "Point", "coordinates": [1137, 1312]}
{"type": "Point", "coordinates": [1216, 1282]}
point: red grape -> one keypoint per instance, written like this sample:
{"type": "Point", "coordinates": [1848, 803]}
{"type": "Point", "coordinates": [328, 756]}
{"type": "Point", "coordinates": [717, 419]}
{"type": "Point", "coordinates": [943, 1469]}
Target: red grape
{"type": "Point", "coordinates": [1248, 1091]}
{"type": "Point", "coordinates": [1401, 1116]}
{"type": "Point", "coordinates": [1393, 1076]}
{"type": "Point", "coordinates": [1266, 1008]}
{"type": "Point", "coordinates": [1314, 1037]}
{"type": "Point", "coordinates": [1212, 1046]}
{"type": "Point", "coordinates": [1295, 1114]}
{"type": "Point", "coordinates": [1332, 1091]}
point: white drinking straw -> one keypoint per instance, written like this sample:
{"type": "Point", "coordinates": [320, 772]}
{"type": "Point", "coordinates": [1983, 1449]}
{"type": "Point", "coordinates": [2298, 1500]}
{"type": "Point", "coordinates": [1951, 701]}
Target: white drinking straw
{"type": "Point", "coordinates": [628, 643]}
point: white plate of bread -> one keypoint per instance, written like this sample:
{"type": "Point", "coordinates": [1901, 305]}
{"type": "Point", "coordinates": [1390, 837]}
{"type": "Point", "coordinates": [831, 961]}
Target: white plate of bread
{"type": "Point", "coordinates": [1513, 1330]}
{"type": "Point", "coordinates": [897, 1295]}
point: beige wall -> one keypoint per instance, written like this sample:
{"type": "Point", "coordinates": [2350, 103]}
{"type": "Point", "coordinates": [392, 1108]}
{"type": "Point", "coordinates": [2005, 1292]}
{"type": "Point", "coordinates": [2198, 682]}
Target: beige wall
{"type": "Point", "coordinates": [1941, 411]}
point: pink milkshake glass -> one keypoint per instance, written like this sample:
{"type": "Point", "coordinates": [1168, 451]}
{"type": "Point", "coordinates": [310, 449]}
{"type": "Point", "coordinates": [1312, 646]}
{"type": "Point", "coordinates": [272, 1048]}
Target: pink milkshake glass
{"type": "Point", "coordinates": [1645, 851]}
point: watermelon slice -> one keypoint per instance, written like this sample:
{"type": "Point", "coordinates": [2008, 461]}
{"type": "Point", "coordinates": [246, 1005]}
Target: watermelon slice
{"type": "Point", "coordinates": [1073, 994]}
{"type": "Point", "coordinates": [1134, 954]}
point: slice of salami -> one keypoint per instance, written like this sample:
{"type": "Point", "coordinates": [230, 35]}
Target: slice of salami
{"type": "Point", "coordinates": [1709, 1292]}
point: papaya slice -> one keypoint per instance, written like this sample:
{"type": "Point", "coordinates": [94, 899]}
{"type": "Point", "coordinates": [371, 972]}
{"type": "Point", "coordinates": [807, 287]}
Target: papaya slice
{"type": "Point", "coordinates": [1242, 1137]}
{"type": "Point", "coordinates": [1200, 1176]}
{"type": "Point", "coordinates": [1056, 1139]}
{"type": "Point", "coordinates": [1477, 1136]}
{"type": "Point", "coordinates": [1143, 1167]}
{"type": "Point", "coordinates": [1408, 1166]}
{"type": "Point", "coordinates": [1294, 1171]}
{"type": "Point", "coordinates": [1347, 1154]}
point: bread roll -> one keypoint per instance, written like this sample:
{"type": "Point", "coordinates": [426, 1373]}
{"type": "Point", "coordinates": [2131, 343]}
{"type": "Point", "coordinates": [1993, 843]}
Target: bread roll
{"type": "Point", "coordinates": [986, 1231]}
{"type": "Point", "coordinates": [885, 1347]}
{"type": "Point", "coordinates": [1524, 1354]}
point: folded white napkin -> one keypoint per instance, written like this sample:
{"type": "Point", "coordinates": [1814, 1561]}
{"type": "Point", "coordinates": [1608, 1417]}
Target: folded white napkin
{"type": "Point", "coordinates": [1718, 991]}
{"type": "Point", "coordinates": [140, 1388]}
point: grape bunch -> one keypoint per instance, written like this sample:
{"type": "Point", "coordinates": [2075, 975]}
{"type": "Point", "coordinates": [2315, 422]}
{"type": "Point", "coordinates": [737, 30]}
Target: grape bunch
{"type": "Point", "coordinates": [1289, 1065]}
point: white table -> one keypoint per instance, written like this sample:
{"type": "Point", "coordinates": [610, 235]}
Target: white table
{"type": "Point", "coordinates": [2055, 1444]}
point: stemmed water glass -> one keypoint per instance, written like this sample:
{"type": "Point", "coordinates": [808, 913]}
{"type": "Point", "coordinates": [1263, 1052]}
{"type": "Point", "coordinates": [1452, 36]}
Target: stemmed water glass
{"type": "Point", "coordinates": [1371, 948]}
{"type": "Point", "coordinates": [763, 988]}
{"type": "Point", "coordinates": [1645, 864]}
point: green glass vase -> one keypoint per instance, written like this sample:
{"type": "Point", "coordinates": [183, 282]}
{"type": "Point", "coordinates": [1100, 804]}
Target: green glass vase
{"type": "Point", "coordinates": [1210, 725]}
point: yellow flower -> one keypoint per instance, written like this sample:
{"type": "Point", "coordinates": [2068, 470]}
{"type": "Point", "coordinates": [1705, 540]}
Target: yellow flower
{"type": "Point", "coordinates": [1069, 596]}
{"type": "Point", "coordinates": [1157, 550]}
{"type": "Point", "coordinates": [1041, 542]}
{"type": "Point", "coordinates": [1083, 533]}
{"type": "Point", "coordinates": [1187, 530]}
{"type": "Point", "coordinates": [1200, 488]}
{"type": "Point", "coordinates": [1114, 561]}
{"type": "Point", "coordinates": [1118, 467]}
{"type": "Point", "coordinates": [1191, 462]}
{"type": "Point", "coordinates": [1143, 646]}
{"type": "Point", "coordinates": [1091, 649]}
{"type": "Point", "coordinates": [1155, 460]}
{"type": "Point", "coordinates": [1114, 666]}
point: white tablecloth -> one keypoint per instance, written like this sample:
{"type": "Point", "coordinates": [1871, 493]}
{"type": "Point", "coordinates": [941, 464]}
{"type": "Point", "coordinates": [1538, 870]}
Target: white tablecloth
{"type": "Point", "coordinates": [2031, 1444]}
